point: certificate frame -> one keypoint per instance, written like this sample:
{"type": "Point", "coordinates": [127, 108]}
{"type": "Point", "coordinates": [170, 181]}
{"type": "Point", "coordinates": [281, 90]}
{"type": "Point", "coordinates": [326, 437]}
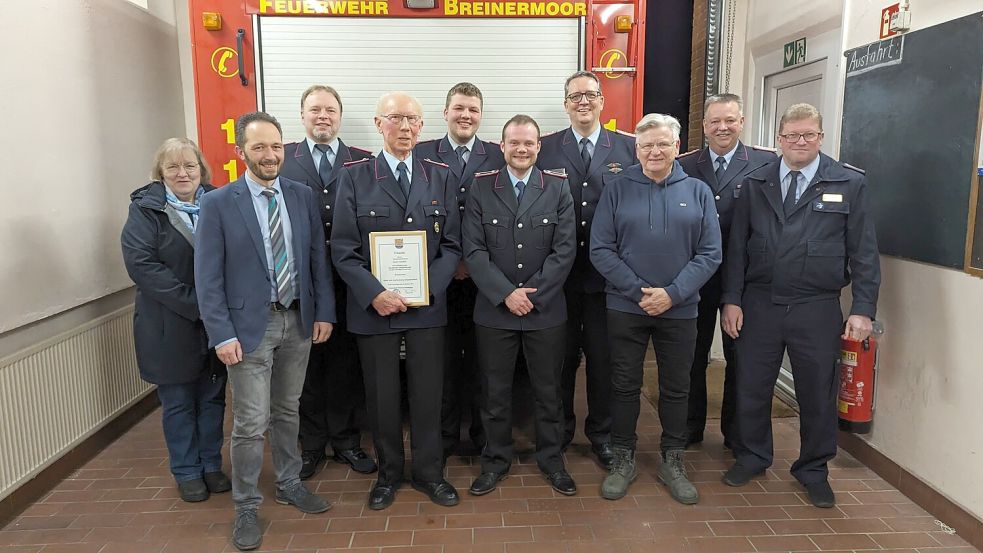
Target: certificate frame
{"type": "Point", "coordinates": [413, 245]}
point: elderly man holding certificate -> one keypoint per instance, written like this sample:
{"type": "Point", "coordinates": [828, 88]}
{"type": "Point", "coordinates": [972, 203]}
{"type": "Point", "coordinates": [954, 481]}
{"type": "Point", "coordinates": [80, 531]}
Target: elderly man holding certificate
{"type": "Point", "coordinates": [396, 244]}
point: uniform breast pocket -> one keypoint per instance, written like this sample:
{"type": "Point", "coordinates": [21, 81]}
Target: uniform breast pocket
{"type": "Point", "coordinates": [373, 216]}
{"type": "Point", "coordinates": [842, 208]}
{"type": "Point", "coordinates": [825, 266]}
{"type": "Point", "coordinates": [545, 225]}
{"type": "Point", "coordinates": [495, 227]}
{"type": "Point", "coordinates": [436, 215]}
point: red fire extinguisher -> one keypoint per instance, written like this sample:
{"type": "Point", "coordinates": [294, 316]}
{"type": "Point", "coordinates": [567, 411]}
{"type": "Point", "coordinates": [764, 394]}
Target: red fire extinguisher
{"type": "Point", "coordinates": [857, 377]}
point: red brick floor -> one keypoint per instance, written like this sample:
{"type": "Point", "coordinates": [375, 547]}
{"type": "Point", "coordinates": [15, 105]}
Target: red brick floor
{"type": "Point", "coordinates": [125, 501]}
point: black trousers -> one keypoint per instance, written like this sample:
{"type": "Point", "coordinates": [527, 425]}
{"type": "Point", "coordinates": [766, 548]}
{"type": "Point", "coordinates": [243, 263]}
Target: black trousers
{"type": "Point", "coordinates": [497, 351]}
{"type": "Point", "coordinates": [673, 341]}
{"type": "Point", "coordinates": [461, 383]}
{"type": "Point", "coordinates": [333, 391]}
{"type": "Point", "coordinates": [811, 334]}
{"type": "Point", "coordinates": [587, 330]}
{"type": "Point", "coordinates": [424, 379]}
{"type": "Point", "coordinates": [706, 326]}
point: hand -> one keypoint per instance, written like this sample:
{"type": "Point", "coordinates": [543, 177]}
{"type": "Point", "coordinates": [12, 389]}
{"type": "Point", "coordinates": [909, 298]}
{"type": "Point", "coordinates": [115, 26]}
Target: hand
{"type": "Point", "coordinates": [732, 320]}
{"type": "Point", "coordinates": [229, 354]}
{"type": "Point", "coordinates": [655, 301]}
{"type": "Point", "coordinates": [389, 302]}
{"type": "Point", "coordinates": [462, 271]}
{"type": "Point", "coordinates": [858, 327]}
{"type": "Point", "coordinates": [322, 331]}
{"type": "Point", "coordinates": [518, 303]}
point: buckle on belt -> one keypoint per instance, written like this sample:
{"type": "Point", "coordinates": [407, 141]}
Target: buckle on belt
{"type": "Point", "coordinates": [277, 306]}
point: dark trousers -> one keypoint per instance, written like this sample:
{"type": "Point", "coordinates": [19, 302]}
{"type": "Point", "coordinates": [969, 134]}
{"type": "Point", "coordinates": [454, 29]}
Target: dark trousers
{"type": "Point", "coordinates": [192, 415]}
{"type": "Point", "coordinates": [333, 392]}
{"type": "Point", "coordinates": [424, 378]}
{"type": "Point", "coordinates": [587, 330]}
{"type": "Point", "coordinates": [811, 334]}
{"type": "Point", "coordinates": [497, 352]}
{"type": "Point", "coordinates": [706, 326]}
{"type": "Point", "coordinates": [461, 382]}
{"type": "Point", "coordinates": [673, 341]}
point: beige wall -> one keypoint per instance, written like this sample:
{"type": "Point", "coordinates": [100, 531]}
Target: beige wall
{"type": "Point", "coordinates": [930, 380]}
{"type": "Point", "coordinates": [90, 89]}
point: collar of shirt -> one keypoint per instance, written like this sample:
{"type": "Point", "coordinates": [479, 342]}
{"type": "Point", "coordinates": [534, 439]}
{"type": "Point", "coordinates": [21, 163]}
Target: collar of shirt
{"type": "Point", "coordinates": [393, 163]}
{"type": "Point", "coordinates": [594, 136]}
{"type": "Point", "coordinates": [727, 157]}
{"type": "Point", "coordinates": [809, 171]}
{"type": "Point", "coordinates": [256, 189]}
{"type": "Point", "coordinates": [523, 178]}
{"type": "Point", "coordinates": [469, 145]}
{"type": "Point", "coordinates": [316, 154]}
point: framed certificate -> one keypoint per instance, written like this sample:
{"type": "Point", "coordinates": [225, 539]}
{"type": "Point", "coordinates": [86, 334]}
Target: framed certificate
{"type": "Point", "coordinates": [399, 261]}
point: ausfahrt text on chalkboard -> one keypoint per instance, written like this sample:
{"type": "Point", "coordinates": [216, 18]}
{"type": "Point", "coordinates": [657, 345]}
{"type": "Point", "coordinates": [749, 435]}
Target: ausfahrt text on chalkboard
{"type": "Point", "coordinates": [879, 54]}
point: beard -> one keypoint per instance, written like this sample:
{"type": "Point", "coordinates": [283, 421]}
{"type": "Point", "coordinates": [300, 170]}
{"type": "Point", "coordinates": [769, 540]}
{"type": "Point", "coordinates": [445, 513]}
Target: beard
{"type": "Point", "coordinates": [263, 169]}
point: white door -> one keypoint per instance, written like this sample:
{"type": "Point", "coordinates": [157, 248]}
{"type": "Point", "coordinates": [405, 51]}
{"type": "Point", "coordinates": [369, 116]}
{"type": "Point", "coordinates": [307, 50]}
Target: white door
{"type": "Point", "coordinates": [793, 86]}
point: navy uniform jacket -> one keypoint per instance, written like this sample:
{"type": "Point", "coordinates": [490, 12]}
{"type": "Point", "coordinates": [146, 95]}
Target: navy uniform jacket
{"type": "Point", "coordinates": [298, 165]}
{"type": "Point", "coordinates": [726, 191]}
{"type": "Point", "coordinates": [486, 156]}
{"type": "Point", "coordinates": [510, 245]}
{"type": "Point", "coordinates": [827, 241]}
{"type": "Point", "coordinates": [613, 153]}
{"type": "Point", "coordinates": [370, 200]}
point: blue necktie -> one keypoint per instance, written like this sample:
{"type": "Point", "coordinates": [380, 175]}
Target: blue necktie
{"type": "Point", "coordinates": [404, 181]}
{"type": "Point", "coordinates": [324, 168]}
{"type": "Point", "coordinates": [284, 280]}
{"type": "Point", "coordinates": [519, 189]}
{"type": "Point", "coordinates": [790, 199]}
{"type": "Point", "coordinates": [585, 152]}
{"type": "Point", "coordinates": [721, 167]}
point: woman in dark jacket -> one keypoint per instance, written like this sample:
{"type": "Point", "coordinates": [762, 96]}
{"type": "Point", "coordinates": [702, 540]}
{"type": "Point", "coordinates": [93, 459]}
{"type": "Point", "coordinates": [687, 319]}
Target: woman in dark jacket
{"type": "Point", "coordinates": [171, 345]}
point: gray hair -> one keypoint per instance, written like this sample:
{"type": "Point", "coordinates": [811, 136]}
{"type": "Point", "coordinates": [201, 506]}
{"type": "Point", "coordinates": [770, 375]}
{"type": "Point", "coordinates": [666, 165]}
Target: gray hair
{"type": "Point", "coordinates": [723, 98]}
{"type": "Point", "coordinates": [659, 121]}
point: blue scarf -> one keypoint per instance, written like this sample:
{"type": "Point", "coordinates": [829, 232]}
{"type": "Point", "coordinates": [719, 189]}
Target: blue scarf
{"type": "Point", "coordinates": [190, 209]}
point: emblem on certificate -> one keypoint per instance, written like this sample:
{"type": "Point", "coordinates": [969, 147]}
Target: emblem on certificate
{"type": "Point", "coordinates": [399, 261]}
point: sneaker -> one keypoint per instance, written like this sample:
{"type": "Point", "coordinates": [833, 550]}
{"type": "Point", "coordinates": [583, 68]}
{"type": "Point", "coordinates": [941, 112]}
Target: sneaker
{"type": "Point", "coordinates": [303, 499]}
{"type": "Point", "coordinates": [192, 491]}
{"type": "Point", "coordinates": [246, 533]}
{"type": "Point", "coordinates": [673, 474]}
{"type": "Point", "coordinates": [622, 474]}
{"type": "Point", "coordinates": [312, 460]}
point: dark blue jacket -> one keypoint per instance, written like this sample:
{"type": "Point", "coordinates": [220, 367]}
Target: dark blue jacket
{"type": "Point", "coordinates": [486, 156]}
{"type": "Point", "coordinates": [659, 235]}
{"type": "Point", "coordinates": [158, 252]}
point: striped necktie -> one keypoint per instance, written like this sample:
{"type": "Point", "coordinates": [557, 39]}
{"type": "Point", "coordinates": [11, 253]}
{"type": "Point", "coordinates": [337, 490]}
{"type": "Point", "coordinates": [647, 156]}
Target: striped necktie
{"type": "Point", "coordinates": [281, 268]}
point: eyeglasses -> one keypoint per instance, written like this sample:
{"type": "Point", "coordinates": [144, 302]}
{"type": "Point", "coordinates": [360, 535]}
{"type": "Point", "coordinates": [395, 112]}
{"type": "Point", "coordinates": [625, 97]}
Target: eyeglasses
{"type": "Point", "coordinates": [794, 137]}
{"type": "Point", "coordinates": [662, 146]}
{"type": "Point", "coordinates": [397, 118]}
{"type": "Point", "coordinates": [174, 168]}
{"type": "Point", "coordinates": [579, 96]}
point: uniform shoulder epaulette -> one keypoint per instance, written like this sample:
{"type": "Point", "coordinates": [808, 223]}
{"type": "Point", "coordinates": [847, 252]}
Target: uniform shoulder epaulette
{"type": "Point", "coordinates": [857, 169]}
{"type": "Point", "coordinates": [554, 173]}
{"type": "Point", "coordinates": [355, 162]}
{"type": "Point", "coordinates": [765, 149]}
{"type": "Point", "coordinates": [624, 133]}
{"type": "Point", "coordinates": [360, 150]}
{"type": "Point", "coordinates": [548, 134]}
{"type": "Point", "coordinates": [487, 173]}
{"type": "Point", "coordinates": [689, 153]}
{"type": "Point", "coordinates": [437, 163]}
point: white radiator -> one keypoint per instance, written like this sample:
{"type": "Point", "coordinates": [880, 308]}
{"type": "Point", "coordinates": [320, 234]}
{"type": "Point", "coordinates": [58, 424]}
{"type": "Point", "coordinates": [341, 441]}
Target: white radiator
{"type": "Point", "coordinates": [57, 393]}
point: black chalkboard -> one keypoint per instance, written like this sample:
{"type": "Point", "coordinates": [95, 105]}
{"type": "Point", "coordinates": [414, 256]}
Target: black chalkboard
{"type": "Point", "coordinates": [911, 112]}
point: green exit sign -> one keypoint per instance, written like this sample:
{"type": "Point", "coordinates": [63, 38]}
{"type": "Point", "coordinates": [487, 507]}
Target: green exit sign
{"type": "Point", "coordinates": [795, 53]}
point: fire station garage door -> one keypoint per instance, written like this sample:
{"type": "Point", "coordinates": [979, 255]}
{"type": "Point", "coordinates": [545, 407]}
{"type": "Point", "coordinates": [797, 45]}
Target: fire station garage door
{"type": "Point", "coordinates": [519, 65]}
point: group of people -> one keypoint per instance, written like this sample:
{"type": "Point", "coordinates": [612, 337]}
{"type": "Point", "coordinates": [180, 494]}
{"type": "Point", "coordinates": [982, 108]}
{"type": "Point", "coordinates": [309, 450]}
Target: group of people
{"type": "Point", "coordinates": [585, 242]}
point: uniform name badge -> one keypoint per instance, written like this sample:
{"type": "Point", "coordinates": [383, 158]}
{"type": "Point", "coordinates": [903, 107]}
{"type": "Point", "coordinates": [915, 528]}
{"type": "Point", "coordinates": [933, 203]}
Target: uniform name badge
{"type": "Point", "coordinates": [399, 262]}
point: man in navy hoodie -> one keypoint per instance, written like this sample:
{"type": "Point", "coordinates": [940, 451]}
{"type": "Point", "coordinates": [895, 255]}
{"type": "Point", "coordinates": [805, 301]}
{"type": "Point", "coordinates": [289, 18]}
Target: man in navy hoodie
{"type": "Point", "coordinates": [656, 240]}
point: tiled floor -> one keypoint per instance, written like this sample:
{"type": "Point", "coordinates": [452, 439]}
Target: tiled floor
{"type": "Point", "coordinates": [124, 501]}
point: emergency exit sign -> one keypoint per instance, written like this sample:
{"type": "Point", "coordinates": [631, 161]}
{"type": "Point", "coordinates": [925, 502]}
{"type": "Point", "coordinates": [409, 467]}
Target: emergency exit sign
{"type": "Point", "coordinates": [795, 53]}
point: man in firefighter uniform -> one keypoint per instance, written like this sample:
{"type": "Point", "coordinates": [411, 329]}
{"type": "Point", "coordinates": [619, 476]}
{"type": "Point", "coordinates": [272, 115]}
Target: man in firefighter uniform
{"type": "Point", "coordinates": [465, 154]}
{"type": "Point", "coordinates": [722, 164]}
{"type": "Point", "coordinates": [519, 243]}
{"type": "Point", "coordinates": [591, 156]}
{"type": "Point", "coordinates": [398, 191]}
{"type": "Point", "coordinates": [802, 231]}
{"type": "Point", "coordinates": [333, 390]}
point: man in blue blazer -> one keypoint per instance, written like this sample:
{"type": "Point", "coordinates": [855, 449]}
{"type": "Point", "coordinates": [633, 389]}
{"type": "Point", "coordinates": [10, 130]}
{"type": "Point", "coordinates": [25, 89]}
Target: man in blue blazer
{"type": "Point", "coordinates": [265, 293]}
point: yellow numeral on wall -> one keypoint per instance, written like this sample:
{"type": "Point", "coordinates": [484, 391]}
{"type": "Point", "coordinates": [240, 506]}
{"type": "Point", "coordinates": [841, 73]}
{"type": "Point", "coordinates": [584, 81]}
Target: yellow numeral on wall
{"type": "Point", "coordinates": [232, 169]}
{"type": "Point", "coordinates": [230, 130]}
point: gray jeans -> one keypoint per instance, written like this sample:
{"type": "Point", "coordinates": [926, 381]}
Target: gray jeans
{"type": "Point", "coordinates": [266, 389]}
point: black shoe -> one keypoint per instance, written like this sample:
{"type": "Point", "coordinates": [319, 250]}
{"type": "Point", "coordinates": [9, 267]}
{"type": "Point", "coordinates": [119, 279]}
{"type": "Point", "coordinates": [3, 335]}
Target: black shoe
{"type": "Point", "coordinates": [440, 492]}
{"type": "Point", "coordinates": [562, 482]}
{"type": "Point", "coordinates": [193, 491]}
{"type": "Point", "coordinates": [357, 459]}
{"type": "Point", "coordinates": [738, 475]}
{"type": "Point", "coordinates": [217, 482]}
{"type": "Point", "coordinates": [820, 494]}
{"type": "Point", "coordinates": [604, 453]}
{"type": "Point", "coordinates": [486, 482]}
{"type": "Point", "coordinates": [313, 460]}
{"type": "Point", "coordinates": [382, 496]}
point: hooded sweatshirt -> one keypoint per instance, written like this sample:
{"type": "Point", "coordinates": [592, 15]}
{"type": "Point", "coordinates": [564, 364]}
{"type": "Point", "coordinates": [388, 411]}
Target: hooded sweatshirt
{"type": "Point", "coordinates": [656, 235]}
